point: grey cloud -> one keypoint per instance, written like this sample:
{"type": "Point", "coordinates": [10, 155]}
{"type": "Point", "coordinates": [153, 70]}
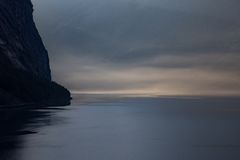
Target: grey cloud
{"type": "Point", "coordinates": [167, 31]}
{"type": "Point", "coordinates": [125, 34]}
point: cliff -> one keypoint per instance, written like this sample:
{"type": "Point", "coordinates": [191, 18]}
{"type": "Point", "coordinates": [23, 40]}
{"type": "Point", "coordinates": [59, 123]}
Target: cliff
{"type": "Point", "coordinates": [24, 65]}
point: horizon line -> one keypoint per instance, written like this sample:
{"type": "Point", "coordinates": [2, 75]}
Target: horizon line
{"type": "Point", "coordinates": [135, 94]}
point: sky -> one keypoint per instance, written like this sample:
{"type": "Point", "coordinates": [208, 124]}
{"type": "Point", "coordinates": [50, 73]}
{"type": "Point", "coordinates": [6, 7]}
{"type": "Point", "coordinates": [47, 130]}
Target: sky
{"type": "Point", "coordinates": [160, 47]}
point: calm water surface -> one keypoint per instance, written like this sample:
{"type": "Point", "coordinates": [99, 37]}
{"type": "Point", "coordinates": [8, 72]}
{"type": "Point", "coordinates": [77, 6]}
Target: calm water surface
{"type": "Point", "coordinates": [97, 127]}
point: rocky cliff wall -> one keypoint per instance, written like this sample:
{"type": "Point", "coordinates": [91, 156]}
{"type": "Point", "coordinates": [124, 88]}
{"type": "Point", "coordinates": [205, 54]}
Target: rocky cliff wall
{"type": "Point", "coordinates": [24, 65]}
{"type": "Point", "coordinates": [19, 39]}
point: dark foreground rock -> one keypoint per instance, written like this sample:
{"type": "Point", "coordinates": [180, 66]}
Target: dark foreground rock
{"type": "Point", "coordinates": [24, 65]}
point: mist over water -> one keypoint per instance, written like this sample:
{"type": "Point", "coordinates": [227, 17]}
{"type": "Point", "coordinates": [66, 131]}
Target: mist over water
{"type": "Point", "coordinates": [97, 127]}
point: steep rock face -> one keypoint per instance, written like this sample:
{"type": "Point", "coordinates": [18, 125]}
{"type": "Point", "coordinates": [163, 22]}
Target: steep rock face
{"type": "Point", "coordinates": [19, 38]}
{"type": "Point", "coordinates": [24, 65]}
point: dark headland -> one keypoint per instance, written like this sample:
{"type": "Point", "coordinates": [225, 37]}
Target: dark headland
{"type": "Point", "coordinates": [25, 76]}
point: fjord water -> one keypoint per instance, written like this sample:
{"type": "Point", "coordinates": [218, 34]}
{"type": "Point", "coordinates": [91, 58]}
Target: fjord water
{"type": "Point", "coordinates": [102, 127]}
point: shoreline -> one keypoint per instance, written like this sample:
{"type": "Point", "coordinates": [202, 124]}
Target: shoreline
{"type": "Point", "coordinates": [35, 105]}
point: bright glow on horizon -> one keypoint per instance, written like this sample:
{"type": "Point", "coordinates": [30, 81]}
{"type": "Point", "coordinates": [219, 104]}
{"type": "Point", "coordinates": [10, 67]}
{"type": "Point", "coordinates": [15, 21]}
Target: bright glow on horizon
{"type": "Point", "coordinates": [145, 93]}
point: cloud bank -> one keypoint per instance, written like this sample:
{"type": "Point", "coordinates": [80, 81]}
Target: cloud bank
{"type": "Point", "coordinates": [163, 47]}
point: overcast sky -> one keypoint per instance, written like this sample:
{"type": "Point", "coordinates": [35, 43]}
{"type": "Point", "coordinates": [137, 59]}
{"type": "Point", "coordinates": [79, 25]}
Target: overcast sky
{"type": "Point", "coordinates": [166, 47]}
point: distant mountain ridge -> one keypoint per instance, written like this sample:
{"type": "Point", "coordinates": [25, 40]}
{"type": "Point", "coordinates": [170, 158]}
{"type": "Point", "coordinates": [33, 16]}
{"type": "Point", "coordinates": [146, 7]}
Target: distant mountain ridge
{"type": "Point", "coordinates": [25, 75]}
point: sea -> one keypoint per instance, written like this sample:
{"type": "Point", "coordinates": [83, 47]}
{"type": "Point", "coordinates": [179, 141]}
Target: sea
{"type": "Point", "coordinates": [124, 127]}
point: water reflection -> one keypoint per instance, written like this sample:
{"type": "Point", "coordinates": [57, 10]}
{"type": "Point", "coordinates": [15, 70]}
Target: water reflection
{"type": "Point", "coordinates": [17, 122]}
{"type": "Point", "coordinates": [124, 128]}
